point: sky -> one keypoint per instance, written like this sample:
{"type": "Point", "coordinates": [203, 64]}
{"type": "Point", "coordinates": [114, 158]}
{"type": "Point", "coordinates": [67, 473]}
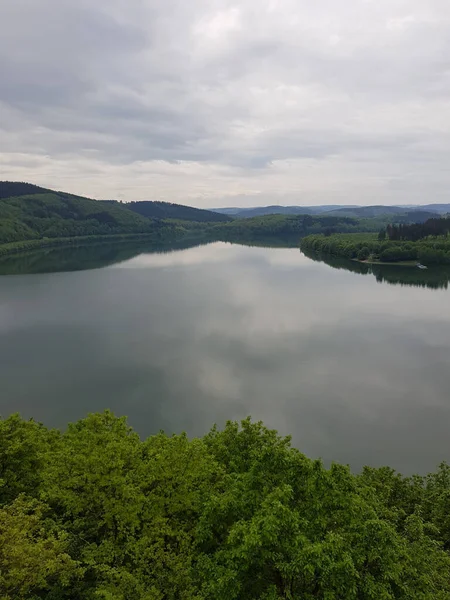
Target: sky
{"type": "Point", "coordinates": [218, 103]}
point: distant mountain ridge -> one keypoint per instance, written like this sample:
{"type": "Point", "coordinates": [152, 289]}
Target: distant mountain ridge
{"type": "Point", "coordinates": [337, 209]}
{"type": "Point", "coordinates": [260, 211]}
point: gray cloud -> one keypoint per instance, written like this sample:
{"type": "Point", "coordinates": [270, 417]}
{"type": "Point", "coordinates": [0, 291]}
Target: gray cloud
{"type": "Point", "coordinates": [215, 102]}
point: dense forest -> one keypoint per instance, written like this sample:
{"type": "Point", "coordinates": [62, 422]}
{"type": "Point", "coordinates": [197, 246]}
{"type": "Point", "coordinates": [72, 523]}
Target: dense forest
{"type": "Point", "coordinates": [10, 189]}
{"type": "Point", "coordinates": [292, 226]}
{"type": "Point", "coordinates": [418, 231]}
{"type": "Point", "coordinates": [167, 210]}
{"type": "Point", "coordinates": [371, 247]}
{"type": "Point", "coordinates": [53, 218]}
{"type": "Point", "coordinates": [239, 514]}
{"type": "Point", "coordinates": [58, 215]}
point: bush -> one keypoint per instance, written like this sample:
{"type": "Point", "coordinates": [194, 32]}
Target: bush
{"type": "Point", "coordinates": [364, 253]}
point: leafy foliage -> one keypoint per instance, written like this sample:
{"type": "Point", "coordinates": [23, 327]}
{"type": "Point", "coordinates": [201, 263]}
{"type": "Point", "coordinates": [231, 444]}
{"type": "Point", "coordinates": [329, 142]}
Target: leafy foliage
{"type": "Point", "coordinates": [239, 514]}
{"type": "Point", "coordinates": [34, 557]}
{"type": "Point", "coordinates": [24, 446]}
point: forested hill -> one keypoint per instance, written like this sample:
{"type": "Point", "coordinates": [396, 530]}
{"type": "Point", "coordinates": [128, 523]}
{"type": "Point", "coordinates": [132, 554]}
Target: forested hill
{"type": "Point", "coordinates": [9, 189]}
{"type": "Point", "coordinates": [293, 226]}
{"type": "Point", "coordinates": [30, 213]}
{"type": "Point", "coordinates": [397, 214]}
{"type": "Point", "coordinates": [46, 214]}
{"type": "Point", "coordinates": [419, 231]}
{"type": "Point", "coordinates": [31, 217]}
{"type": "Point", "coordinates": [166, 210]}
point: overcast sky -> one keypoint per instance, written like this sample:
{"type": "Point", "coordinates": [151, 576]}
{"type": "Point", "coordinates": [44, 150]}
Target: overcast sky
{"type": "Point", "coordinates": [218, 103]}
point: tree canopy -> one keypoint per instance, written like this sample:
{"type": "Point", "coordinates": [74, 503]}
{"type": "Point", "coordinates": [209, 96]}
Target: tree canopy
{"type": "Point", "coordinates": [96, 512]}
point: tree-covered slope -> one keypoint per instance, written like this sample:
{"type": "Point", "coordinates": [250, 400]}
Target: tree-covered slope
{"type": "Point", "coordinates": [51, 214]}
{"type": "Point", "coordinates": [239, 514]}
{"type": "Point", "coordinates": [292, 226]}
{"type": "Point", "coordinates": [56, 214]}
{"type": "Point", "coordinates": [8, 189]}
{"type": "Point", "coordinates": [28, 212]}
{"type": "Point", "coordinates": [166, 210]}
{"type": "Point", "coordinates": [31, 216]}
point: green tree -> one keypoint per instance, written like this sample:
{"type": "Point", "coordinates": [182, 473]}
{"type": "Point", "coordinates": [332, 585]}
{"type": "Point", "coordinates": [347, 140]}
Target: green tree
{"type": "Point", "coordinates": [93, 482]}
{"type": "Point", "coordinates": [34, 555]}
{"type": "Point", "coordinates": [286, 527]}
{"type": "Point", "coordinates": [364, 253]}
{"type": "Point", "coordinates": [436, 503]}
{"type": "Point", "coordinates": [131, 508]}
{"type": "Point", "coordinates": [24, 450]}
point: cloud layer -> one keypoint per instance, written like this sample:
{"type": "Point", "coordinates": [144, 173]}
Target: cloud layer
{"type": "Point", "coordinates": [217, 102]}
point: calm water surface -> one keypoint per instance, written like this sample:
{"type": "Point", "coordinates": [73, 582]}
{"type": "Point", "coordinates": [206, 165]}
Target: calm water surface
{"type": "Point", "coordinates": [356, 370]}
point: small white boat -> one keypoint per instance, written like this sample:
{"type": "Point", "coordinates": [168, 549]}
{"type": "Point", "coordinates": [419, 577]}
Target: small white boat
{"type": "Point", "coordinates": [421, 266]}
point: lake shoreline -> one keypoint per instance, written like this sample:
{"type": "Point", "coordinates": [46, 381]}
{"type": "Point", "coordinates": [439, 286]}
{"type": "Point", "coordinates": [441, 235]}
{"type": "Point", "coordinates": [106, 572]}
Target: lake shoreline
{"type": "Point", "coordinates": [25, 246]}
{"type": "Point", "coordinates": [399, 263]}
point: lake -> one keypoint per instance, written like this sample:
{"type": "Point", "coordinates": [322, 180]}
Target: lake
{"type": "Point", "coordinates": [354, 365]}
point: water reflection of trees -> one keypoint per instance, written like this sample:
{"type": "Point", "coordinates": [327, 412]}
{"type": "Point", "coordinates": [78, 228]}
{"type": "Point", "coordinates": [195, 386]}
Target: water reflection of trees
{"type": "Point", "coordinates": [434, 278]}
{"type": "Point", "coordinates": [95, 256]}
{"type": "Point", "coordinates": [80, 258]}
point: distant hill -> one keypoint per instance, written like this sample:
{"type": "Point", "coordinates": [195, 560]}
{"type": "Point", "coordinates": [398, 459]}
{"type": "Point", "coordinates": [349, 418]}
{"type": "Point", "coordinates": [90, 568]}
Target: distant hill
{"type": "Point", "coordinates": [231, 210]}
{"type": "Point", "coordinates": [166, 210]}
{"type": "Point", "coordinates": [366, 211]}
{"type": "Point", "coordinates": [442, 209]}
{"type": "Point", "coordinates": [399, 214]}
{"type": "Point", "coordinates": [337, 210]}
{"type": "Point", "coordinates": [42, 213]}
{"type": "Point", "coordinates": [261, 211]}
{"type": "Point", "coordinates": [415, 216]}
{"type": "Point", "coordinates": [292, 227]}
